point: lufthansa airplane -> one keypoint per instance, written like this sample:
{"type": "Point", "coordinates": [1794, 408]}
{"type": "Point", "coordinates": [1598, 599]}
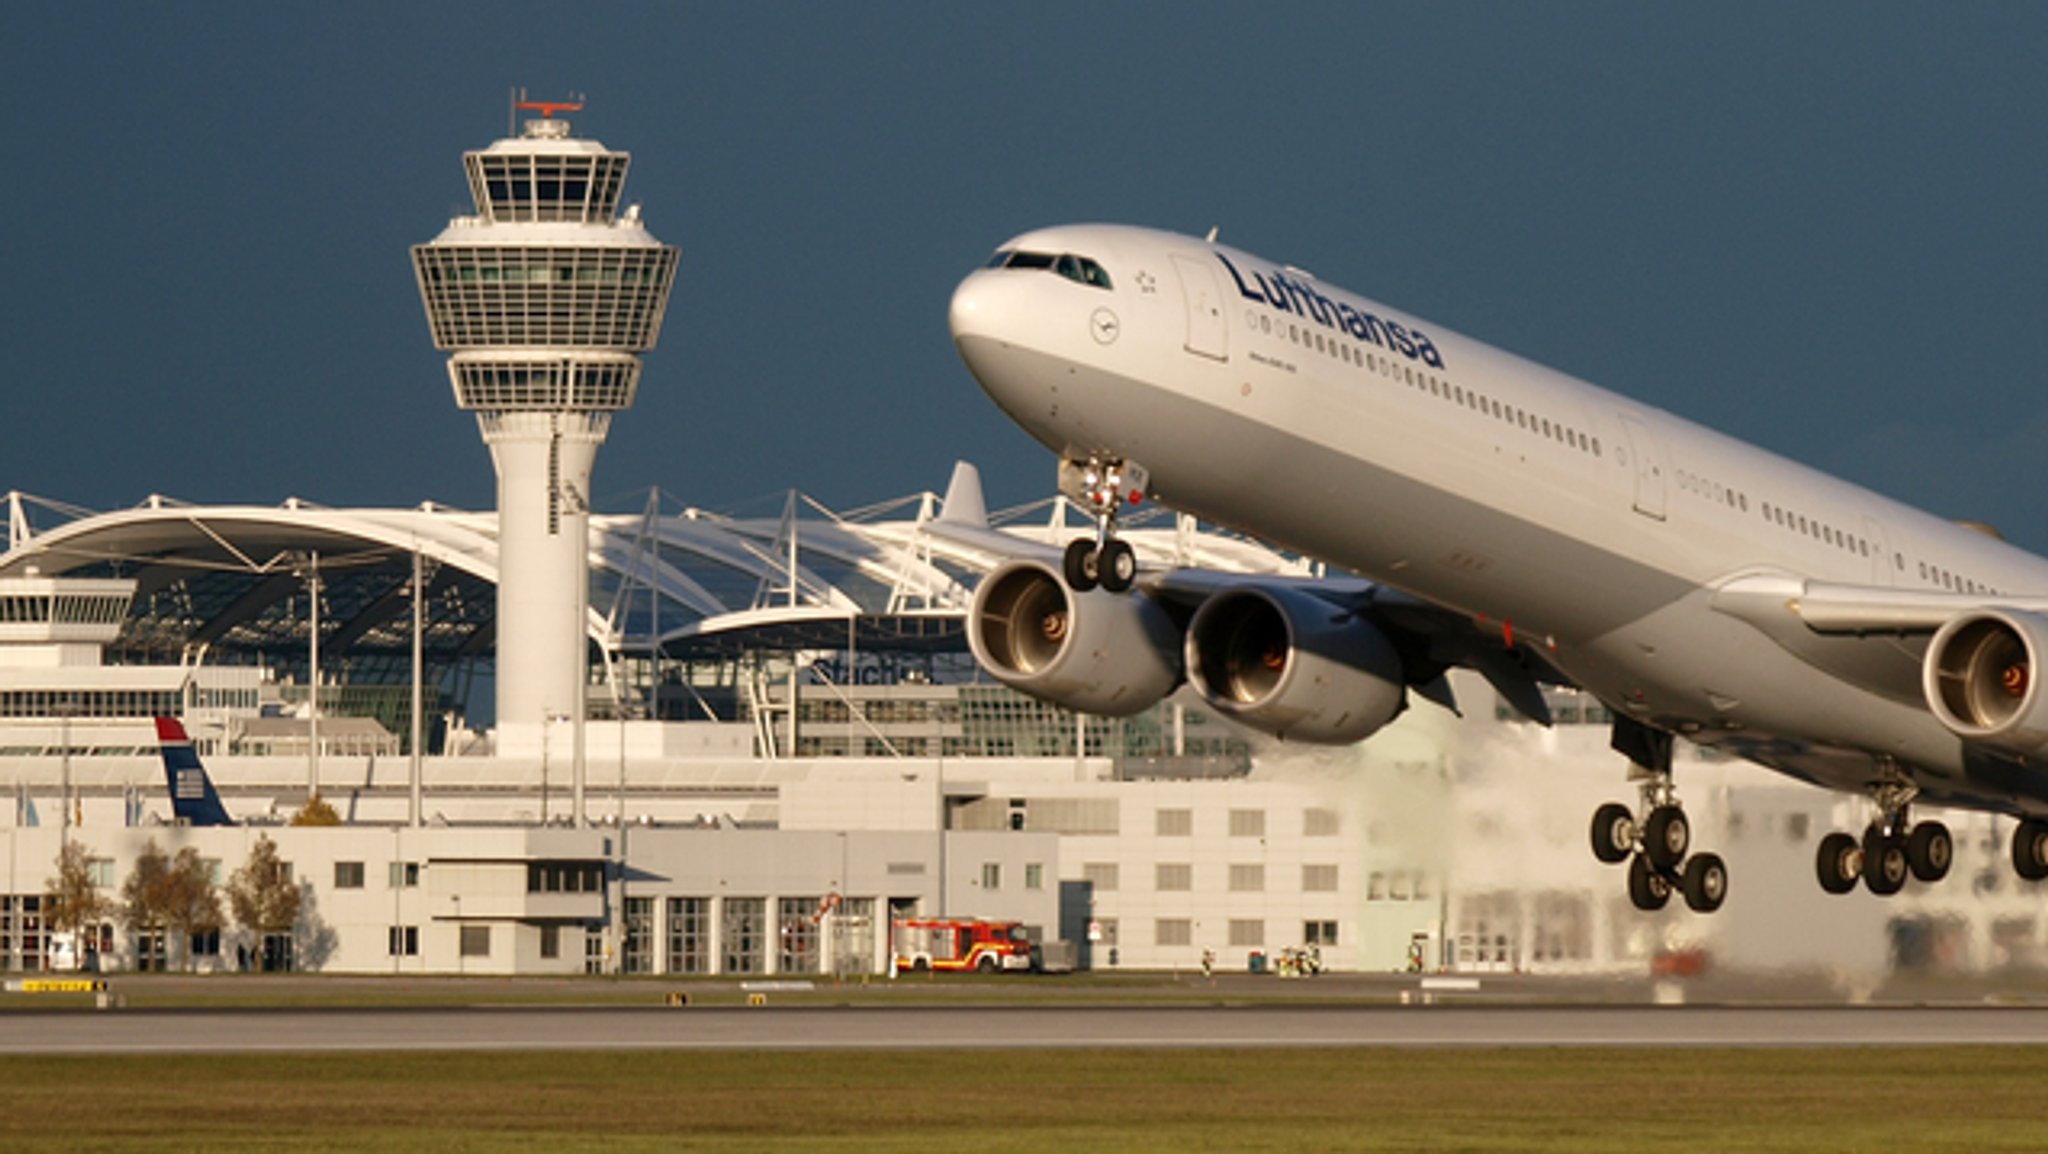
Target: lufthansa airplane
{"type": "Point", "coordinates": [1500, 516]}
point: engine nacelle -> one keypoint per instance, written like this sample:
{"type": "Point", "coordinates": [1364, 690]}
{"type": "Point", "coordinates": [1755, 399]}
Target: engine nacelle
{"type": "Point", "coordinates": [1979, 678]}
{"type": "Point", "coordinates": [1293, 665]}
{"type": "Point", "coordinates": [1097, 652]}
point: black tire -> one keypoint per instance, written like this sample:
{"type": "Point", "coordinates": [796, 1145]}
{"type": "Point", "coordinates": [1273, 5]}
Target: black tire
{"type": "Point", "coordinates": [1884, 863]}
{"type": "Point", "coordinates": [1079, 565]}
{"type": "Point", "coordinates": [1118, 567]}
{"type": "Point", "coordinates": [1706, 883]}
{"type": "Point", "coordinates": [2030, 849]}
{"type": "Point", "coordinates": [922, 965]}
{"type": "Point", "coordinates": [1666, 837]}
{"type": "Point", "coordinates": [1647, 887]}
{"type": "Point", "coordinates": [1614, 833]}
{"type": "Point", "coordinates": [1839, 863]}
{"type": "Point", "coordinates": [986, 965]}
{"type": "Point", "coordinates": [1930, 851]}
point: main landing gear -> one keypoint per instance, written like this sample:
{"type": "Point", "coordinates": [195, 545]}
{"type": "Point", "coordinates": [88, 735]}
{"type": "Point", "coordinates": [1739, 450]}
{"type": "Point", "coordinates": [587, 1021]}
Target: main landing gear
{"type": "Point", "coordinates": [1893, 847]}
{"type": "Point", "coordinates": [1101, 485]}
{"type": "Point", "coordinates": [1655, 838]}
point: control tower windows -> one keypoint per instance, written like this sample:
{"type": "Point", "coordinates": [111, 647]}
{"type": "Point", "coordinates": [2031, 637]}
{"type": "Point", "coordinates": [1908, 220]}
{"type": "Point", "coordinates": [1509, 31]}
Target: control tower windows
{"type": "Point", "coordinates": [516, 385]}
{"type": "Point", "coordinates": [528, 188]}
{"type": "Point", "coordinates": [488, 296]}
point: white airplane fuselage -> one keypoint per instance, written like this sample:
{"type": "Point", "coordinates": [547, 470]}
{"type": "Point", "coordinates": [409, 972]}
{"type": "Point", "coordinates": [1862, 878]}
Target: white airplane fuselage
{"type": "Point", "coordinates": [1598, 528]}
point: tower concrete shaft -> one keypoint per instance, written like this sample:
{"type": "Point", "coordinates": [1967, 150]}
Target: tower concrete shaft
{"type": "Point", "coordinates": [546, 297]}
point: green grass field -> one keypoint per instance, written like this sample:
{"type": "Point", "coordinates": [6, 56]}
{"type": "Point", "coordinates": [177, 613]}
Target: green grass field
{"type": "Point", "coordinates": [1126, 1101]}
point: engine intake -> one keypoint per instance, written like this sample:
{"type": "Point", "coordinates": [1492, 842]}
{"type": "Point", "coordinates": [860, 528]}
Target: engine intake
{"type": "Point", "coordinates": [1295, 666]}
{"type": "Point", "coordinates": [1979, 678]}
{"type": "Point", "coordinates": [1097, 652]}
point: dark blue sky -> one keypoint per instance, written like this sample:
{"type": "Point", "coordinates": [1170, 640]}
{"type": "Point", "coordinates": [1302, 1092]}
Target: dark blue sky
{"type": "Point", "coordinates": [1815, 226]}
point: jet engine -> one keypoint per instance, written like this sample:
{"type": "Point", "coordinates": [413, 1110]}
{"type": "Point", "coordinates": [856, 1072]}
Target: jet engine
{"type": "Point", "coordinates": [1097, 652]}
{"type": "Point", "coordinates": [1293, 665]}
{"type": "Point", "coordinates": [1979, 678]}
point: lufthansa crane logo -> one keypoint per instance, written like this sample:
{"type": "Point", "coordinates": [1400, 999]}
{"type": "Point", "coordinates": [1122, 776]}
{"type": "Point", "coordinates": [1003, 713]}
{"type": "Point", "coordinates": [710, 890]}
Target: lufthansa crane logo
{"type": "Point", "coordinates": [1105, 326]}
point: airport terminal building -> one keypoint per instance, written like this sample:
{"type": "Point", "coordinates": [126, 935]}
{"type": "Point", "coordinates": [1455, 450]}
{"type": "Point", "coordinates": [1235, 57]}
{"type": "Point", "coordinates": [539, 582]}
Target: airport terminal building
{"type": "Point", "coordinates": [679, 741]}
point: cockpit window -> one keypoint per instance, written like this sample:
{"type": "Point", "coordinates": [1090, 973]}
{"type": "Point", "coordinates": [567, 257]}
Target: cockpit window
{"type": "Point", "coordinates": [1078, 269]}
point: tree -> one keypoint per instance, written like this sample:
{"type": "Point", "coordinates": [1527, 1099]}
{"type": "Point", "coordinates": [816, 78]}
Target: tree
{"type": "Point", "coordinates": [72, 904]}
{"type": "Point", "coordinates": [316, 811]}
{"type": "Point", "coordinates": [261, 892]}
{"type": "Point", "coordinates": [173, 896]}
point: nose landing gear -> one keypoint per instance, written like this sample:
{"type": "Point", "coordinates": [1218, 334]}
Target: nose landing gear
{"type": "Point", "coordinates": [1101, 485]}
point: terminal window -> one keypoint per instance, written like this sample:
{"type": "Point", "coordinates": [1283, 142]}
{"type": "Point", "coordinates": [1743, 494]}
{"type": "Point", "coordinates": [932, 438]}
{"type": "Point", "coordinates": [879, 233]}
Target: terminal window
{"type": "Point", "coordinates": [405, 874]}
{"type": "Point", "coordinates": [1103, 875]}
{"type": "Point", "coordinates": [1247, 932]}
{"type": "Point", "coordinates": [1174, 877]}
{"type": "Point", "coordinates": [746, 936]}
{"type": "Point", "coordinates": [476, 941]}
{"type": "Point", "coordinates": [1173, 932]}
{"type": "Point", "coordinates": [1319, 933]}
{"type": "Point", "coordinates": [404, 941]}
{"type": "Point", "coordinates": [689, 935]}
{"type": "Point", "coordinates": [348, 875]}
{"type": "Point", "coordinates": [1174, 823]}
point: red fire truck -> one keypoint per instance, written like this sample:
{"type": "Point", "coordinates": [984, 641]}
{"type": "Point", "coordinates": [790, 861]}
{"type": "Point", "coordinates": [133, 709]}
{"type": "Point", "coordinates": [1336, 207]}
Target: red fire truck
{"type": "Point", "coordinates": [960, 944]}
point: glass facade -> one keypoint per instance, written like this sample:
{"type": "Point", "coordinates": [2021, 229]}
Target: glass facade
{"type": "Point", "coordinates": [689, 935]}
{"type": "Point", "coordinates": [744, 946]}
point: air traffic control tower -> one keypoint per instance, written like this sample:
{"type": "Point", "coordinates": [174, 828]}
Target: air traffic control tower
{"type": "Point", "coordinates": [546, 297]}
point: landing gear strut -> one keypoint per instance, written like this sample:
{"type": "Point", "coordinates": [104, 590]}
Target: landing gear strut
{"type": "Point", "coordinates": [1893, 847]}
{"type": "Point", "coordinates": [1657, 845]}
{"type": "Point", "coordinates": [1101, 485]}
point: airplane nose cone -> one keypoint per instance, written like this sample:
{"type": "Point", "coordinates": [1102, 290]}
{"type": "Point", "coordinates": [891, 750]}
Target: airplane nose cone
{"type": "Point", "coordinates": [966, 316]}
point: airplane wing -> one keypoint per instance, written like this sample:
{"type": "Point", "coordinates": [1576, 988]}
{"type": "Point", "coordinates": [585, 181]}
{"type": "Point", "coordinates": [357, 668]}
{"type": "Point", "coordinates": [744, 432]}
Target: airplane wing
{"type": "Point", "coordinates": [1429, 639]}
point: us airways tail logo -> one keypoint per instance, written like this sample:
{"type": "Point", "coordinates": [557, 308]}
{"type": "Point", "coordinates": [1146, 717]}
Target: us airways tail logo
{"type": "Point", "coordinates": [1304, 300]}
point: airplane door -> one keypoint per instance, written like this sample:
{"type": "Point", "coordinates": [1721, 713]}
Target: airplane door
{"type": "Point", "coordinates": [1649, 462]}
{"type": "Point", "coordinates": [1880, 552]}
{"type": "Point", "coordinates": [1207, 336]}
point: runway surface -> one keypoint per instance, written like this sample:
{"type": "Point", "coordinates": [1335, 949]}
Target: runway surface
{"type": "Point", "coordinates": [1094, 1027]}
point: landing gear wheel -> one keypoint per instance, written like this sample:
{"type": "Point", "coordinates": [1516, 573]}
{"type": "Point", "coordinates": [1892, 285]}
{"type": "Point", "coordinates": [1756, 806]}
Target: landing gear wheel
{"type": "Point", "coordinates": [1647, 888]}
{"type": "Point", "coordinates": [1839, 863]}
{"type": "Point", "coordinates": [1706, 883]}
{"type": "Point", "coordinates": [1118, 566]}
{"type": "Point", "coordinates": [1929, 851]}
{"type": "Point", "coordinates": [1081, 565]}
{"type": "Point", "coordinates": [1614, 833]}
{"type": "Point", "coordinates": [1666, 837]}
{"type": "Point", "coordinates": [2030, 849]}
{"type": "Point", "coordinates": [1884, 862]}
